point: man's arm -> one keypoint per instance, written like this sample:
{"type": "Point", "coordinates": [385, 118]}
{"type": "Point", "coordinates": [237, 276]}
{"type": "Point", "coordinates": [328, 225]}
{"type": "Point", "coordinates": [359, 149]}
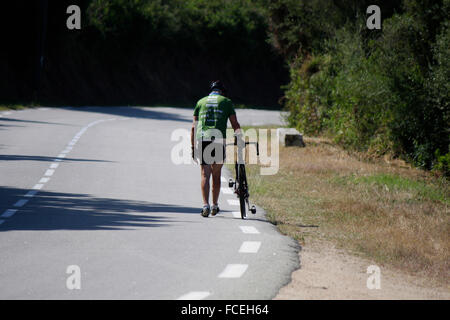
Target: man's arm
{"type": "Point", "coordinates": [235, 124]}
{"type": "Point", "coordinates": [194, 125]}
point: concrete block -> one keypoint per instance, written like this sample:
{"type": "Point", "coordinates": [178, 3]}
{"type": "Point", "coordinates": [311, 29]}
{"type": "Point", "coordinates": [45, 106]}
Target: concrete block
{"type": "Point", "coordinates": [290, 137]}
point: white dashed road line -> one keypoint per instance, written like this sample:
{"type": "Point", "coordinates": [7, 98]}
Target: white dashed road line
{"type": "Point", "coordinates": [236, 214]}
{"type": "Point", "coordinates": [250, 247]}
{"type": "Point", "coordinates": [9, 213]}
{"type": "Point", "coordinates": [233, 202]}
{"type": "Point", "coordinates": [49, 172]}
{"type": "Point", "coordinates": [249, 229]}
{"type": "Point", "coordinates": [226, 190]}
{"type": "Point", "coordinates": [31, 193]}
{"type": "Point", "coordinates": [20, 203]}
{"type": "Point", "coordinates": [233, 271]}
{"type": "Point", "coordinates": [195, 295]}
{"type": "Point", "coordinates": [54, 165]}
{"type": "Point", "coordinates": [38, 186]}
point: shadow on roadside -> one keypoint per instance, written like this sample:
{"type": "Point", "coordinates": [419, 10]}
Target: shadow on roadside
{"type": "Point", "coordinates": [69, 211]}
{"type": "Point", "coordinates": [135, 112]}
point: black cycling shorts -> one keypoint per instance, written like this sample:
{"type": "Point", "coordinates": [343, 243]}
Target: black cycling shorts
{"type": "Point", "coordinates": [209, 157]}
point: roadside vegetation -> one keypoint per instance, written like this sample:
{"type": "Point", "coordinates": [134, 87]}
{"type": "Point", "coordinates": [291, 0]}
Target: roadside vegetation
{"type": "Point", "coordinates": [379, 91]}
{"type": "Point", "coordinates": [382, 209]}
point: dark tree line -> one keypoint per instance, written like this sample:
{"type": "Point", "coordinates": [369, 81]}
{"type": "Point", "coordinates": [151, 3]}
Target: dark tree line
{"type": "Point", "coordinates": [139, 52]}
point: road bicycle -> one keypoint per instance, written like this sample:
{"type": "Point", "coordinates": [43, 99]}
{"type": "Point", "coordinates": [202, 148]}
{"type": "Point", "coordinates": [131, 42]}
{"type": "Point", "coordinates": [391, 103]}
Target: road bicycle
{"type": "Point", "coordinates": [240, 184]}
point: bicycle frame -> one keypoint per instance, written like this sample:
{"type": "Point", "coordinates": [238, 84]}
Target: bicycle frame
{"type": "Point", "coordinates": [240, 184]}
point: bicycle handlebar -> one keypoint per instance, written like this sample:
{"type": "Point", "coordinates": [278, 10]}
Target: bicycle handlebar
{"type": "Point", "coordinates": [257, 146]}
{"type": "Point", "coordinates": [246, 143]}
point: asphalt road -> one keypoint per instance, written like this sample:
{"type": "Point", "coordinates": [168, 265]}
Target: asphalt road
{"type": "Point", "coordinates": [96, 188]}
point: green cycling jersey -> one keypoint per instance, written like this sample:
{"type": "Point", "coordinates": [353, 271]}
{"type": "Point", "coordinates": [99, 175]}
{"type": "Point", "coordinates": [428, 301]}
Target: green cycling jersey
{"type": "Point", "coordinates": [213, 112]}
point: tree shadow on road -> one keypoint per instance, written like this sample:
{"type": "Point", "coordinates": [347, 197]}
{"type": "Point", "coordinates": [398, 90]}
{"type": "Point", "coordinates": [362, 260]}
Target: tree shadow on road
{"type": "Point", "coordinates": [69, 211]}
{"type": "Point", "coordinates": [135, 112]}
{"type": "Point", "coordinates": [33, 121]}
{"type": "Point", "coordinates": [18, 157]}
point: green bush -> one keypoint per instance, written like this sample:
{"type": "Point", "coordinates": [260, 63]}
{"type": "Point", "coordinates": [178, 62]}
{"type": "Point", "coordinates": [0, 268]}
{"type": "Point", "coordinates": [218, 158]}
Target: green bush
{"type": "Point", "coordinates": [419, 122]}
{"type": "Point", "coordinates": [306, 95]}
{"type": "Point", "coordinates": [379, 91]}
{"type": "Point", "coordinates": [343, 94]}
{"type": "Point", "coordinates": [442, 162]}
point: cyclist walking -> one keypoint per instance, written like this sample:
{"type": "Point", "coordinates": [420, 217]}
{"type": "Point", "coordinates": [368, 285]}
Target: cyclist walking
{"type": "Point", "coordinates": [208, 136]}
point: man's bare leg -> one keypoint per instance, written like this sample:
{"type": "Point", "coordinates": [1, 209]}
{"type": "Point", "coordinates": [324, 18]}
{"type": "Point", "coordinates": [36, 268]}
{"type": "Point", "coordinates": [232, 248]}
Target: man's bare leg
{"type": "Point", "coordinates": [216, 173]}
{"type": "Point", "coordinates": [206, 174]}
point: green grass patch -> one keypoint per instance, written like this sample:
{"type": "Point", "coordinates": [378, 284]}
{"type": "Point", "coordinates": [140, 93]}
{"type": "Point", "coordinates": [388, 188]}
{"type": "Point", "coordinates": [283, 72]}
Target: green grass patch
{"type": "Point", "coordinates": [391, 183]}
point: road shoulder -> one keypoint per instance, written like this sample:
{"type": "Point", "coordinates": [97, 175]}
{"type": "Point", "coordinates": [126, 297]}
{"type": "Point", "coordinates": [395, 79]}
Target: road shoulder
{"type": "Point", "coordinates": [329, 273]}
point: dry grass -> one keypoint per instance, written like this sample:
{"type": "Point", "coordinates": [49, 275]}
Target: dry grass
{"type": "Point", "coordinates": [383, 210]}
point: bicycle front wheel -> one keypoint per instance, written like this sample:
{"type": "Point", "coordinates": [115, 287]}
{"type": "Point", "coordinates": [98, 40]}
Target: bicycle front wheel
{"type": "Point", "coordinates": [242, 205]}
{"type": "Point", "coordinates": [242, 190]}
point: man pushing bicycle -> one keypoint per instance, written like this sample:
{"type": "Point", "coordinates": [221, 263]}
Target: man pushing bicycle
{"type": "Point", "coordinates": [208, 136]}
